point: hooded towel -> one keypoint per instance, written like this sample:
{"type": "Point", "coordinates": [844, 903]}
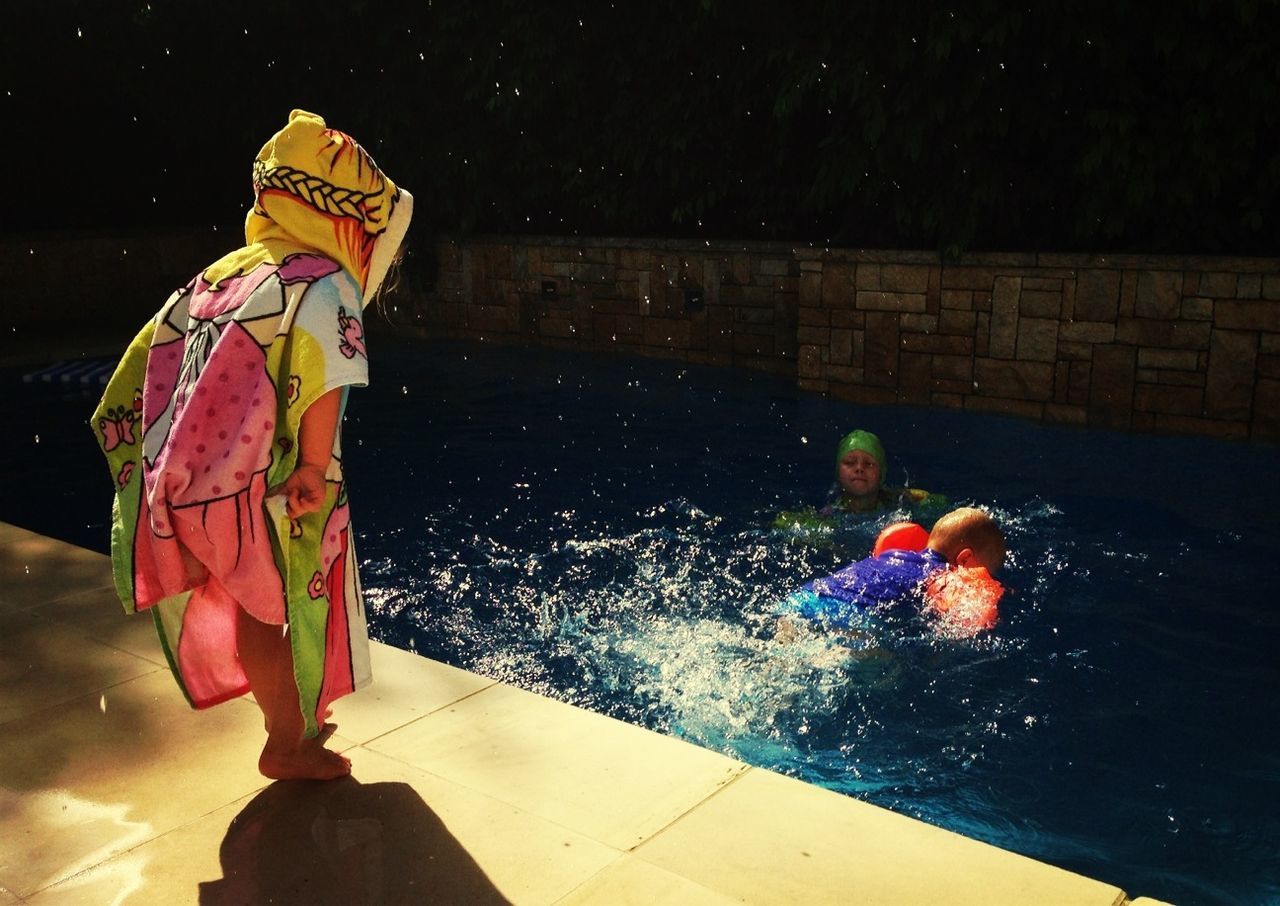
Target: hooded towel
{"type": "Point", "coordinates": [201, 418]}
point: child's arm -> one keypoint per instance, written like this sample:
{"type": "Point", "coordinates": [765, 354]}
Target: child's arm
{"type": "Point", "coordinates": [916, 497]}
{"type": "Point", "coordinates": [787, 629]}
{"type": "Point", "coordinates": [304, 489]}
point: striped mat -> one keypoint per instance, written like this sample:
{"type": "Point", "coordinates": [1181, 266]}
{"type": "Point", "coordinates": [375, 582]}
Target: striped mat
{"type": "Point", "coordinates": [76, 371]}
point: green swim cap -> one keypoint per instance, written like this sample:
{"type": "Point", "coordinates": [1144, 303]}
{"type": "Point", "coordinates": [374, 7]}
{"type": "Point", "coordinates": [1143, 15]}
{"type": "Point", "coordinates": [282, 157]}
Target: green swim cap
{"type": "Point", "coordinates": [866, 442]}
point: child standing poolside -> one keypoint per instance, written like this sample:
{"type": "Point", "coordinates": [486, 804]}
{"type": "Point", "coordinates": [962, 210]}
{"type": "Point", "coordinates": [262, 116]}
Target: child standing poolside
{"type": "Point", "coordinates": [221, 426]}
{"type": "Point", "coordinates": [951, 575]}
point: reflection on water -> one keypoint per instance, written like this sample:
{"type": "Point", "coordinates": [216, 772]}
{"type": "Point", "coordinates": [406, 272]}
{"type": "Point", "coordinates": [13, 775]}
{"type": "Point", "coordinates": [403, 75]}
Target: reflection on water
{"type": "Point", "coordinates": [669, 626]}
{"type": "Point", "coordinates": [597, 532]}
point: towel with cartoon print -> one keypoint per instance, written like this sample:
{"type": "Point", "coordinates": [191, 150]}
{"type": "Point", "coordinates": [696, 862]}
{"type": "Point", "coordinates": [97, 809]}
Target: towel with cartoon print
{"type": "Point", "coordinates": [201, 420]}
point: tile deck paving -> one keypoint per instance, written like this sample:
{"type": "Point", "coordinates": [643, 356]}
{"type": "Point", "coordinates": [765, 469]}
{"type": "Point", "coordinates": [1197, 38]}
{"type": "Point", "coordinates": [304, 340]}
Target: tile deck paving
{"type": "Point", "coordinates": [464, 790]}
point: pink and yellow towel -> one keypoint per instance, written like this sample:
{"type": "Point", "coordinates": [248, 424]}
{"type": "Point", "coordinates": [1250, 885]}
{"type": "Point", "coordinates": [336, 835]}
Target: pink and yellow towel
{"type": "Point", "coordinates": [201, 418]}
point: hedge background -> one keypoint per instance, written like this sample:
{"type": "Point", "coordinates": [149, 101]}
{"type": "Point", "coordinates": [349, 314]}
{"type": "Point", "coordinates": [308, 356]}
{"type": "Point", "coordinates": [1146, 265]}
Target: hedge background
{"type": "Point", "coordinates": [1106, 127]}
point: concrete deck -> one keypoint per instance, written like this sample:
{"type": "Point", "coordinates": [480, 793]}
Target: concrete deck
{"type": "Point", "coordinates": [465, 791]}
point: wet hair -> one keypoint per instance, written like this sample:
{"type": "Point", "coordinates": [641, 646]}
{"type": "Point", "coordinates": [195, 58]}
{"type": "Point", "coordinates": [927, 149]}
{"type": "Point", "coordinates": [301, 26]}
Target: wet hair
{"type": "Point", "coordinates": [390, 281]}
{"type": "Point", "coordinates": [971, 528]}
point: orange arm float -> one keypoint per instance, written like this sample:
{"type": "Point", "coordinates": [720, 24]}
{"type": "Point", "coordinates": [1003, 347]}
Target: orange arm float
{"type": "Point", "coordinates": [966, 598]}
{"type": "Point", "coordinates": [900, 536]}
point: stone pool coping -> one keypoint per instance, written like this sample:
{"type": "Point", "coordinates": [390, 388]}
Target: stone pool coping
{"type": "Point", "coordinates": [465, 790]}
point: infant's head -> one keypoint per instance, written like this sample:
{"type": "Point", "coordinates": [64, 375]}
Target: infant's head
{"type": "Point", "coordinates": [969, 537]}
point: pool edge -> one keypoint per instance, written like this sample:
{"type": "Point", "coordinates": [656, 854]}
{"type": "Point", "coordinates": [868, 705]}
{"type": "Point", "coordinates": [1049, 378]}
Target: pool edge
{"type": "Point", "coordinates": [548, 802]}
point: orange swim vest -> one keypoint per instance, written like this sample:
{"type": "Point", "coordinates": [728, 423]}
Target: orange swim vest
{"type": "Point", "coordinates": [966, 597]}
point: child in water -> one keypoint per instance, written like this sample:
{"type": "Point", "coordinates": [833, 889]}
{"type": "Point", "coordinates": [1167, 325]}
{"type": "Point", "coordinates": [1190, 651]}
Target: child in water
{"type": "Point", "coordinates": [860, 469]}
{"type": "Point", "coordinates": [951, 575]}
{"type": "Point", "coordinates": [221, 426]}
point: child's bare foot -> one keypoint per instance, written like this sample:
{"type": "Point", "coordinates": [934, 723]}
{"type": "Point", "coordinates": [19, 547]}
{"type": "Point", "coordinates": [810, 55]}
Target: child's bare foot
{"type": "Point", "coordinates": [308, 761]}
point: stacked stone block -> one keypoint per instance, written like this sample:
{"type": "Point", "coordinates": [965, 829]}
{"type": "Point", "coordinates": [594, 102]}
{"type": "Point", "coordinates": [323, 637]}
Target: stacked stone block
{"type": "Point", "coordinates": [1169, 344]}
{"type": "Point", "coordinates": [714, 306]}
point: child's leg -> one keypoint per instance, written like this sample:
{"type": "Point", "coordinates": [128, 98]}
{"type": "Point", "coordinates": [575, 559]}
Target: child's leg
{"type": "Point", "coordinates": [268, 663]}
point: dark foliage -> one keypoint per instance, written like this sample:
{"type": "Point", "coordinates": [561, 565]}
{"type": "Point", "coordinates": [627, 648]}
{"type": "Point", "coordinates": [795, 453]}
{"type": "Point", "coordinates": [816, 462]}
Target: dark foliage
{"type": "Point", "coordinates": [1114, 126]}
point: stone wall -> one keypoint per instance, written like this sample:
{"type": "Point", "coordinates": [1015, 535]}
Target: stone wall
{"type": "Point", "coordinates": [1153, 343]}
{"type": "Point", "coordinates": [91, 292]}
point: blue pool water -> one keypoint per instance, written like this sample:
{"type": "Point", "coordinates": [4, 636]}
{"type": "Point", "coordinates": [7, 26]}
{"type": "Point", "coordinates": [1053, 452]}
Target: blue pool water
{"type": "Point", "coordinates": [596, 530]}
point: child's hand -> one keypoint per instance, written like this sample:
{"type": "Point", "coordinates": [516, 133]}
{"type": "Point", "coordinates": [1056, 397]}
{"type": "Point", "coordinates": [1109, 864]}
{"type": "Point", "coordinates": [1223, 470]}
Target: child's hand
{"type": "Point", "coordinates": [303, 490]}
{"type": "Point", "coordinates": [788, 630]}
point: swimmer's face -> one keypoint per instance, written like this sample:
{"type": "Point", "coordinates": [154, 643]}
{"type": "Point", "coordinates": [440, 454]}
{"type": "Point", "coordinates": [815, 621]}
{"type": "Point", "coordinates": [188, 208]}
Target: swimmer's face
{"type": "Point", "coordinates": [858, 474]}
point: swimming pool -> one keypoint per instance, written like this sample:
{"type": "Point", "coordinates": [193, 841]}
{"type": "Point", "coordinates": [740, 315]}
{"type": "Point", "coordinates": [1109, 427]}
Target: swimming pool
{"type": "Point", "coordinates": [595, 530]}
